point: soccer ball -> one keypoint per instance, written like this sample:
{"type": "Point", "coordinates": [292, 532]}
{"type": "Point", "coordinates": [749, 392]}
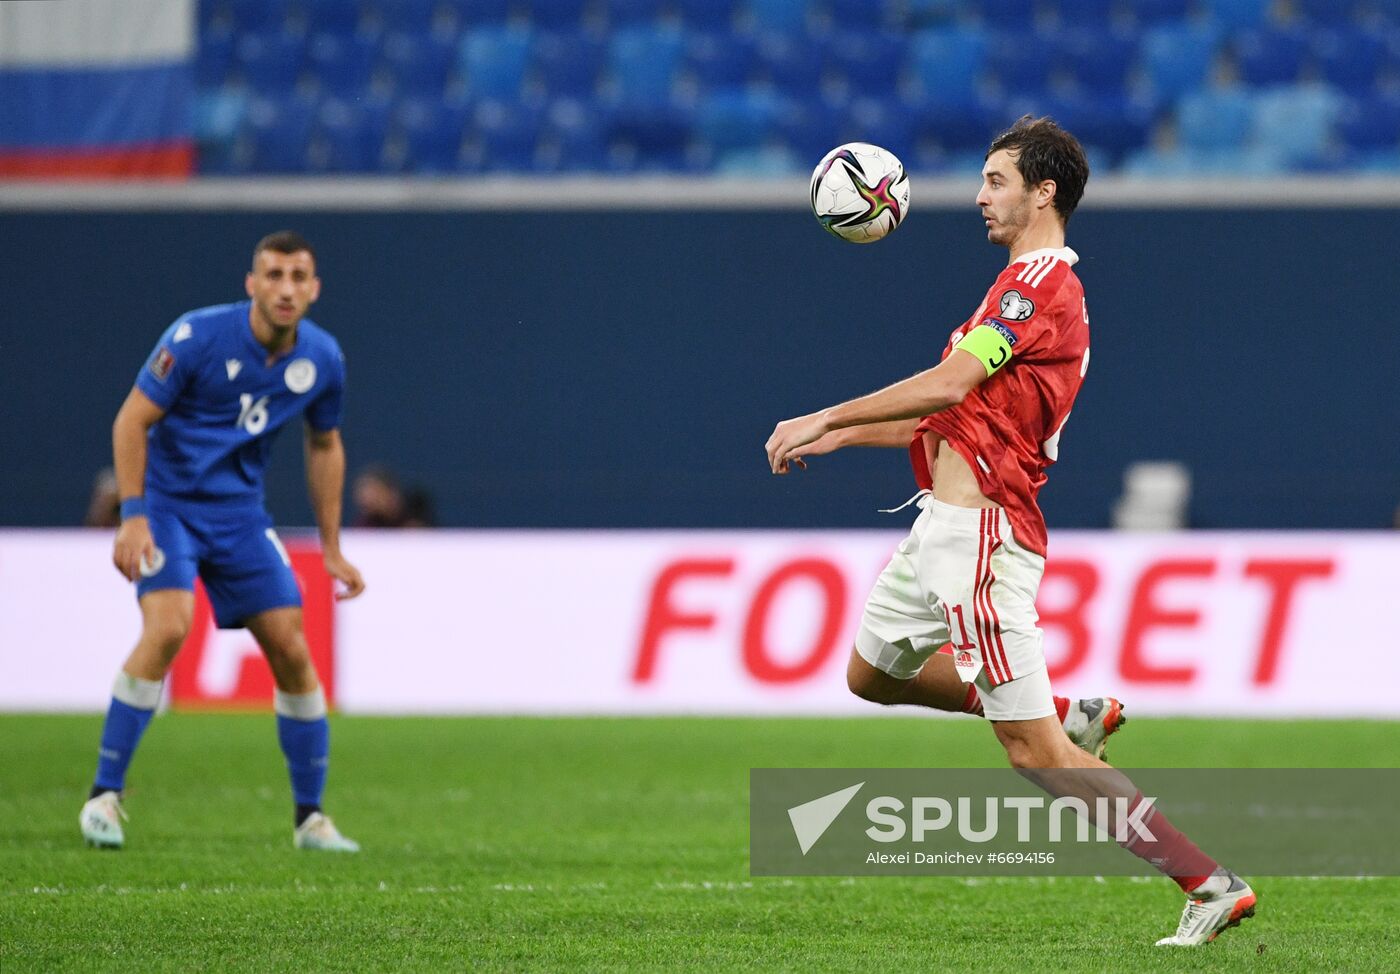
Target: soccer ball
{"type": "Point", "coordinates": [860, 192]}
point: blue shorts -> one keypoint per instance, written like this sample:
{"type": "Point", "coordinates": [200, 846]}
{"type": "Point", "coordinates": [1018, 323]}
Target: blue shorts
{"type": "Point", "coordinates": [233, 549]}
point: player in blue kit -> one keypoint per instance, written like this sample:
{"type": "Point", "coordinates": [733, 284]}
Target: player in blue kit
{"type": "Point", "coordinates": [191, 443]}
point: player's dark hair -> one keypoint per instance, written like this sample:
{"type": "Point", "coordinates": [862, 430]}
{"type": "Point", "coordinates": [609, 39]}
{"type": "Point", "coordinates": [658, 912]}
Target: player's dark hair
{"type": "Point", "coordinates": [1044, 151]}
{"type": "Point", "coordinates": [284, 242]}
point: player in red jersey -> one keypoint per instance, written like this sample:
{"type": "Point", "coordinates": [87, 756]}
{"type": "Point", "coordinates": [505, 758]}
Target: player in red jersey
{"type": "Point", "coordinates": [982, 427]}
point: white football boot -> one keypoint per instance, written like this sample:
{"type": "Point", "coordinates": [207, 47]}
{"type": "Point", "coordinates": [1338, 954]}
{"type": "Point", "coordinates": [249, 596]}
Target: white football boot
{"type": "Point", "coordinates": [1091, 721]}
{"type": "Point", "coordinates": [319, 832]}
{"type": "Point", "coordinates": [101, 821]}
{"type": "Point", "coordinates": [1221, 902]}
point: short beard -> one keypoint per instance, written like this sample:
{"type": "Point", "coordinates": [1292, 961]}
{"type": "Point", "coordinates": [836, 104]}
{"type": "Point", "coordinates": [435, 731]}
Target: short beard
{"type": "Point", "coordinates": [1006, 231]}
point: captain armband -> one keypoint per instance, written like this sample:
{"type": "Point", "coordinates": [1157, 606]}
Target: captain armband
{"type": "Point", "coordinates": [991, 342]}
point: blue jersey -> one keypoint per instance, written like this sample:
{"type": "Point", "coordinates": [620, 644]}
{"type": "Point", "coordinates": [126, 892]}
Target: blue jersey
{"type": "Point", "coordinates": [224, 403]}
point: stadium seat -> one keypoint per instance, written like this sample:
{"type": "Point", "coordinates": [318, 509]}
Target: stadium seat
{"type": "Point", "coordinates": [1370, 122]}
{"type": "Point", "coordinates": [1236, 14]}
{"type": "Point", "coordinates": [720, 60]}
{"type": "Point", "coordinates": [572, 140]}
{"type": "Point", "coordinates": [789, 16]}
{"type": "Point", "coordinates": [810, 126]}
{"type": "Point", "coordinates": [707, 15]}
{"type": "Point", "coordinates": [1296, 120]}
{"type": "Point", "coordinates": [1215, 118]}
{"type": "Point", "coordinates": [1098, 59]}
{"type": "Point", "coordinates": [508, 133]}
{"type": "Point", "coordinates": [342, 63]}
{"type": "Point", "coordinates": [880, 121]}
{"type": "Point", "coordinates": [863, 15]}
{"type": "Point", "coordinates": [793, 63]}
{"type": "Point", "coordinates": [218, 118]}
{"type": "Point", "coordinates": [1349, 57]}
{"type": "Point", "coordinates": [870, 61]}
{"type": "Point", "coordinates": [736, 119]}
{"type": "Point", "coordinates": [1270, 55]}
{"type": "Point", "coordinates": [350, 136]}
{"type": "Point", "coordinates": [215, 60]}
{"type": "Point", "coordinates": [632, 13]}
{"type": "Point", "coordinates": [407, 16]}
{"type": "Point", "coordinates": [947, 63]}
{"type": "Point", "coordinates": [431, 134]}
{"type": "Point", "coordinates": [960, 125]}
{"type": "Point", "coordinates": [418, 62]}
{"type": "Point", "coordinates": [1333, 13]}
{"type": "Point", "coordinates": [560, 15]}
{"type": "Point", "coordinates": [1178, 58]}
{"type": "Point", "coordinates": [642, 64]}
{"type": "Point", "coordinates": [764, 162]}
{"type": "Point", "coordinates": [332, 16]}
{"type": "Point", "coordinates": [259, 16]}
{"type": "Point", "coordinates": [1020, 60]}
{"type": "Point", "coordinates": [649, 139]}
{"type": "Point", "coordinates": [493, 61]}
{"type": "Point", "coordinates": [567, 64]}
{"type": "Point", "coordinates": [270, 64]}
{"type": "Point", "coordinates": [1149, 12]}
{"type": "Point", "coordinates": [474, 13]}
{"type": "Point", "coordinates": [1083, 13]}
{"type": "Point", "coordinates": [1007, 14]}
{"type": "Point", "coordinates": [279, 131]}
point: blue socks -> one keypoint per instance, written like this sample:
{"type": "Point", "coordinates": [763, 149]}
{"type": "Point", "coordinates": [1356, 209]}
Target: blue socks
{"type": "Point", "coordinates": [133, 704]}
{"type": "Point", "coordinates": [305, 736]}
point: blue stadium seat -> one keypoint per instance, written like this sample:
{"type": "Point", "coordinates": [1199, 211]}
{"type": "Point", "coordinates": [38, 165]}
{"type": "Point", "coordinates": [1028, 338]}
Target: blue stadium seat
{"type": "Point", "coordinates": [508, 133]}
{"type": "Point", "coordinates": [650, 138]}
{"type": "Point", "coordinates": [937, 13]}
{"type": "Point", "coordinates": [1349, 57]}
{"type": "Point", "coordinates": [948, 62]}
{"type": "Point", "coordinates": [1235, 14]}
{"type": "Point", "coordinates": [279, 132]}
{"type": "Point", "coordinates": [642, 64]}
{"type": "Point", "coordinates": [493, 61]}
{"type": "Point", "coordinates": [350, 136]}
{"type": "Point", "coordinates": [409, 16]}
{"type": "Point", "coordinates": [792, 62]}
{"type": "Point", "coordinates": [1370, 122]}
{"type": "Point", "coordinates": [631, 13]}
{"type": "Point", "coordinates": [342, 63]}
{"type": "Point", "coordinates": [1178, 58]}
{"type": "Point", "coordinates": [419, 63]}
{"type": "Point", "coordinates": [720, 60]}
{"type": "Point", "coordinates": [1215, 118]}
{"type": "Point", "coordinates": [1332, 13]}
{"type": "Point", "coordinates": [431, 134]}
{"type": "Point", "coordinates": [1150, 12]}
{"type": "Point", "coordinates": [782, 15]}
{"type": "Point", "coordinates": [332, 16]}
{"type": "Point", "coordinates": [561, 15]}
{"type": "Point", "coordinates": [736, 119]}
{"type": "Point", "coordinates": [763, 162]}
{"type": "Point", "coordinates": [863, 15]}
{"type": "Point", "coordinates": [810, 126]}
{"type": "Point", "coordinates": [572, 140]}
{"type": "Point", "coordinates": [960, 125]}
{"type": "Point", "coordinates": [270, 63]}
{"type": "Point", "coordinates": [716, 15]}
{"type": "Point", "coordinates": [567, 64]}
{"type": "Point", "coordinates": [214, 61]}
{"type": "Point", "coordinates": [219, 115]}
{"type": "Point", "coordinates": [880, 121]}
{"type": "Point", "coordinates": [1007, 14]}
{"type": "Point", "coordinates": [870, 61]}
{"type": "Point", "coordinates": [1270, 55]}
{"type": "Point", "coordinates": [1021, 60]}
{"type": "Point", "coordinates": [1084, 13]}
{"type": "Point", "coordinates": [474, 13]}
{"type": "Point", "coordinates": [259, 16]}
{"type": "Point", "coordinates": [1098, 59]}
{"type": "Point", "coordinates": [1296, 121]}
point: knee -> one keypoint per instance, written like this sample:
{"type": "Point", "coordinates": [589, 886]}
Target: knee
{"type": "Point", "coordinates": [1023, 753]}
{"type": "Point", "coordinates": [287, 649]}
{"type": "Point", "coordinates": [167, 631]}
{"type": "Point", "coordinates": [869, 684]}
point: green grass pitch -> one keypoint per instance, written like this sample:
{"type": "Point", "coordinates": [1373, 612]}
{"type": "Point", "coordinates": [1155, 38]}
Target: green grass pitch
{"type": "Point", "coordinates": [586, 844]}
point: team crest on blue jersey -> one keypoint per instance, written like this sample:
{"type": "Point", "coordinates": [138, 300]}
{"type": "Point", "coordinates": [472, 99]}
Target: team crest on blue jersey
{"type": "Point", "coordinates": [162, 363]}
{"type": "Point", "coordinates": [300, 375]}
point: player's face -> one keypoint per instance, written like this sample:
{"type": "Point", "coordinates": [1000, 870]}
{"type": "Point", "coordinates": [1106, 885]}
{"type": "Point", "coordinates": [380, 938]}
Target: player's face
{"type": "Point", "coordinates": [283, 286]}
{"type": "Point", "coordinates": [1004, 199]}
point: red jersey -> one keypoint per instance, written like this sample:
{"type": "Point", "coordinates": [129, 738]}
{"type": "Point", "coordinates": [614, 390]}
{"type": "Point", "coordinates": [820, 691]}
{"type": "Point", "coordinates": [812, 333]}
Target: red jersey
{"type": "Point", "coordinates": [1008, 427]}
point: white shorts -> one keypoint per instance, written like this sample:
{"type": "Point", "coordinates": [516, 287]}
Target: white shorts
{"type": "Point", "coordinates": [961, 578]}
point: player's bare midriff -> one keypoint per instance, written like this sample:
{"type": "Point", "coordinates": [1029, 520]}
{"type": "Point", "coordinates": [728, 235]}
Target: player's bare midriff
{"type": "Point", "coordinates": [953, 480]}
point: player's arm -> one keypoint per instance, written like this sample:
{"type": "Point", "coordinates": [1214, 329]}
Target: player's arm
{"type": "Point", "coordinates": [896, 433]}
{"type": "Point", "coordinates": [134, 421]}
{"type": "Point", "coordinates": [931, 391]}
{"type": "Point", "coordinates": [325, 481]}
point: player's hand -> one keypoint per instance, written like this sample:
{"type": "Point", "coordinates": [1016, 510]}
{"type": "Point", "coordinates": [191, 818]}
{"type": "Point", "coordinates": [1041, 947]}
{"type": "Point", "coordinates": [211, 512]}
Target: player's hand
{"type": "Point", "coordinates": [347, 574]}
{"type": "Point", "coordinates": [133, 546]}
{"type": "Point", "coordinates": [789, 437]}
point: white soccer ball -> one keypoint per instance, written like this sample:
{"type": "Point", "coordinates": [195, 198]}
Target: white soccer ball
{"type": "Point", "coordinates": [860, 192]}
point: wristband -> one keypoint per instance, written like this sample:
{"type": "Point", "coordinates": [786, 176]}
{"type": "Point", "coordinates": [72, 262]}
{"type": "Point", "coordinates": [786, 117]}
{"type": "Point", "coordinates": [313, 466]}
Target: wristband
{"type": "Point", "coordinates": [133, 507]}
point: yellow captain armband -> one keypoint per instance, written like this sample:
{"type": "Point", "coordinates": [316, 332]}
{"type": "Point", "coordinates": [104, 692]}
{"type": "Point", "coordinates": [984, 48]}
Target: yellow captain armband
{"type": "Point", "coordinates": [991, 342]}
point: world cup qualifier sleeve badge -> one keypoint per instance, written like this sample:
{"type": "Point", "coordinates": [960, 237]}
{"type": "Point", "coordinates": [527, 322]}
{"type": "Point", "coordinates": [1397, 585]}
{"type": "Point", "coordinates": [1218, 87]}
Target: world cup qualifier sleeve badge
{"type": "Point", "coordinates": [1015, 306]}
